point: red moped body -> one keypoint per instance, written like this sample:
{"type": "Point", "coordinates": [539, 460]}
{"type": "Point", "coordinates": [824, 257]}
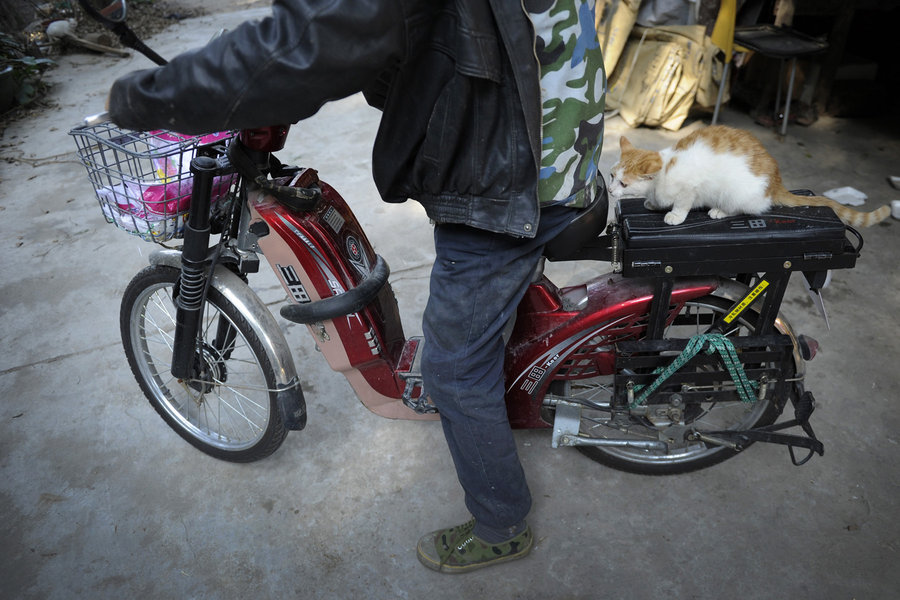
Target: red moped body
{"type": "Point", "coordinates": [559, 334]}
{"type": "Point", "coordinates": [322, 253]}
{"type": "Point", "coordinates": [551, 342]}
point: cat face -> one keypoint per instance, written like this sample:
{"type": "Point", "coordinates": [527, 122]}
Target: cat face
{"type": "Point", "coordinates": [633, 176]}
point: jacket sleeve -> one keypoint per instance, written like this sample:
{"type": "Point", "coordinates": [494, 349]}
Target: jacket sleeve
{"type": "Point", "coordinates": [274, 71]}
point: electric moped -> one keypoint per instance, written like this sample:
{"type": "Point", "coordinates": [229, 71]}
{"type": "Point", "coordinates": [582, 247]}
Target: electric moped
{"type": "Point", "coordinates": [672, 358]}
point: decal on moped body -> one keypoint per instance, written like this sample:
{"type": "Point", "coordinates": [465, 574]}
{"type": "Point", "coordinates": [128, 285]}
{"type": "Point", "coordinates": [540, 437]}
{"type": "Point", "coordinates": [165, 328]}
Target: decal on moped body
{"type": "Point", "coordinates": [747, 301]}
{"type": "Point", "coordinates": [534, 374]}
{"type": "Point", "coordinates": [372, 341]}
{"type": "Point", "coordinates": [357, 257]}
{"type": "Point", "coordinates": [334, 219]}
{"type": "Point", "coordinates": [336, 287]}
{"type": "Point", "coordinates": [293, 284]}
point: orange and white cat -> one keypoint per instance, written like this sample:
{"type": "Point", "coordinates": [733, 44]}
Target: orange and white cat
{"type": "Point", "coordinates": [723, 169]}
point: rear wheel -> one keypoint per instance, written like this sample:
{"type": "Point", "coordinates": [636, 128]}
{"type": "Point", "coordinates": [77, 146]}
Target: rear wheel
{"type": "Point", "coordinates": [228, 407]}
{"type": "Point", "coordinates": [666, 425]}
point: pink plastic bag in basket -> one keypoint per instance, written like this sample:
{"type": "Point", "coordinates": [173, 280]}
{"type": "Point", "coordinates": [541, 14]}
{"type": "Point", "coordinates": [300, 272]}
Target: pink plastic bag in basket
{"type": "Point", "coordinates": [175, 197]}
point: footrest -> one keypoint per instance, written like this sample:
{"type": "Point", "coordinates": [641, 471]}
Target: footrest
{"type": "Point", "coordinates": [410, 364]}
{"type": "Point", "coordinates": [409, 369]}
{"type": "Point", "coordinates": [567, 424]}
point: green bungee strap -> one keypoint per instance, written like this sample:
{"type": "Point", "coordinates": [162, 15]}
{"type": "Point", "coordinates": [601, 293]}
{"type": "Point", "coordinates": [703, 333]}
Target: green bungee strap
{"type": "Point", "coordinates": [717, 342]}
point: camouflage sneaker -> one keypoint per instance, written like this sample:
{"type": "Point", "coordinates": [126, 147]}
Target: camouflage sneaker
{"type": "Point", "coordinates": [457, 550]}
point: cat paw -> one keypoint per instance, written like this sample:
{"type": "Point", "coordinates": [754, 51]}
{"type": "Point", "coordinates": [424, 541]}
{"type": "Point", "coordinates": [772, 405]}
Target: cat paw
{"type": "Point", "coordinates": [716, 213]}
{"type": "Point", "coordinates": [673, 219]}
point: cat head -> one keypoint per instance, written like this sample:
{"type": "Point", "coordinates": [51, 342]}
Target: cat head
{"type": "Point", "coordinates": [633, 176]}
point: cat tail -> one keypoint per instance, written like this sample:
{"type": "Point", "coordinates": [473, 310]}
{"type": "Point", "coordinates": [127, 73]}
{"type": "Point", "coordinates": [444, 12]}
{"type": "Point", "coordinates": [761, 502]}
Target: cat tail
{"type": "Point", "coordinates": [850, 216]}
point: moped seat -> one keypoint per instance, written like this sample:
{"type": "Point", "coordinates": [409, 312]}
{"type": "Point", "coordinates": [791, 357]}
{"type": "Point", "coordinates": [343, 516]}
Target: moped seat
{"type": "Point", "coordinates": [587, 225]}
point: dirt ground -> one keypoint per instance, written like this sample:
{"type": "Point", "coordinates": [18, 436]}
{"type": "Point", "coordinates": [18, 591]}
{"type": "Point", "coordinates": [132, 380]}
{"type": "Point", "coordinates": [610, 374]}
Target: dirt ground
{"type": "Point", "coordinates": [101, 499]}
{"type": "Point", "coordinates": [207, 7]}
{"type": "Point", "coordinates": [147, 18]}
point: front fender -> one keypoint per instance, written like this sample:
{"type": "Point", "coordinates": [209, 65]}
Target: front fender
{"type": "Point", "coordinates": [289, 393]}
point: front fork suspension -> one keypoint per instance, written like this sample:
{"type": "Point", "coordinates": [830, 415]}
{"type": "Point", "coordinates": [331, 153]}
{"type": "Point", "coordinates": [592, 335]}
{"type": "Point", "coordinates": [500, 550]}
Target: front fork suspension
{"type": "Point", "coordinates": [194, 265]}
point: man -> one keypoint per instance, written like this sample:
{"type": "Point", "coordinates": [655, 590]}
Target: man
{"type": "Point", "coordinates": [492, 119]}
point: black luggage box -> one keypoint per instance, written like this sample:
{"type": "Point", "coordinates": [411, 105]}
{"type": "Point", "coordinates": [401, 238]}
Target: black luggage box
{"type": "Point", "coordinates": [801, 238]}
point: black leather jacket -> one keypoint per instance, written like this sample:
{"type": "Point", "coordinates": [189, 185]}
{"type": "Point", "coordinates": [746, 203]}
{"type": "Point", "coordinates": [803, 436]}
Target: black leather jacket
{"type": "Point", "coordinates": [460, 130]}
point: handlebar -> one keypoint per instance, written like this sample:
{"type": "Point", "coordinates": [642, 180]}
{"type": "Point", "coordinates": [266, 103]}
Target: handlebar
{"type": "Point", "coordinates": [97, 119]}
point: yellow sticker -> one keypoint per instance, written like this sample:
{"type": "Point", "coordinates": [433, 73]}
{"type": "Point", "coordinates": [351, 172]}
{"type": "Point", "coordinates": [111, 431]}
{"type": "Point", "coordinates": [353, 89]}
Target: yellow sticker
{"type": "Point", "coordinates": [747, 301]}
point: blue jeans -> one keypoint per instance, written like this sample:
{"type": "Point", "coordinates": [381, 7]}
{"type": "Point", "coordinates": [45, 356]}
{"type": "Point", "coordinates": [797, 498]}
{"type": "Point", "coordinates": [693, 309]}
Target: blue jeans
{"type": "Point", "coordinates": [477, 282]}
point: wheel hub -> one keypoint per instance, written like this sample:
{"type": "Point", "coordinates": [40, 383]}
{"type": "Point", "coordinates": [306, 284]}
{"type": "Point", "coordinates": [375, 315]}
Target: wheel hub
{"type": "Point", "coordinates": [209, 370]}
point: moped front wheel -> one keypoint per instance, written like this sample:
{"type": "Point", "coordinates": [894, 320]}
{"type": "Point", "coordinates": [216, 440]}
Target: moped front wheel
{"type": "Point", "coordinates": [683, 454]}
{"type": "Point", "coordinates": [227, 408]}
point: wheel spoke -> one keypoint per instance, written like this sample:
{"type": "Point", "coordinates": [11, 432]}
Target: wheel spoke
{"type": "Point", "coordinates": [226, 408]}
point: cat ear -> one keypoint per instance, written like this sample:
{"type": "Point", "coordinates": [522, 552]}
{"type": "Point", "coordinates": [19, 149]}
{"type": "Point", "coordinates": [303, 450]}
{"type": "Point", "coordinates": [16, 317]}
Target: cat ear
{"type": "Point", "coordinates": [624, 144]}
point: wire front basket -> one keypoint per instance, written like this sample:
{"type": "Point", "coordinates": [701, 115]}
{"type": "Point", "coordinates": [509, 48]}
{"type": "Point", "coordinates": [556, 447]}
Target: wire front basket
{"type": "Point", "coordinates": [143, 179]}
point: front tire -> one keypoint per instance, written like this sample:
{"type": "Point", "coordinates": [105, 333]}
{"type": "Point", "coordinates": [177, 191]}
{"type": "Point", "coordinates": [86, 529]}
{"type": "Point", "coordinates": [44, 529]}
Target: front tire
{"type": "Point", "coordinates": [228, 408]}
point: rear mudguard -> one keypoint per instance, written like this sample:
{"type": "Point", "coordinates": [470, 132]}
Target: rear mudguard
{"type": "Point", "coordinates": [287, 385]}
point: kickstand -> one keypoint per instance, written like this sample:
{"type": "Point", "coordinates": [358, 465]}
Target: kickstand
{"type": "Point", "coordinates": [802, 410]}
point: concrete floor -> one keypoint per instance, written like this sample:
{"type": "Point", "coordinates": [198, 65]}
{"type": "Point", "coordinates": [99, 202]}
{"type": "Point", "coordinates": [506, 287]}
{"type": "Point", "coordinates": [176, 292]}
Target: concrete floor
{"type": "Point", "coordinates": [100, 499]}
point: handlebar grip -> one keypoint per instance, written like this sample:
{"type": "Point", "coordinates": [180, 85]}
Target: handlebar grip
{"type": "Point", "coordinates": [97, 119]}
